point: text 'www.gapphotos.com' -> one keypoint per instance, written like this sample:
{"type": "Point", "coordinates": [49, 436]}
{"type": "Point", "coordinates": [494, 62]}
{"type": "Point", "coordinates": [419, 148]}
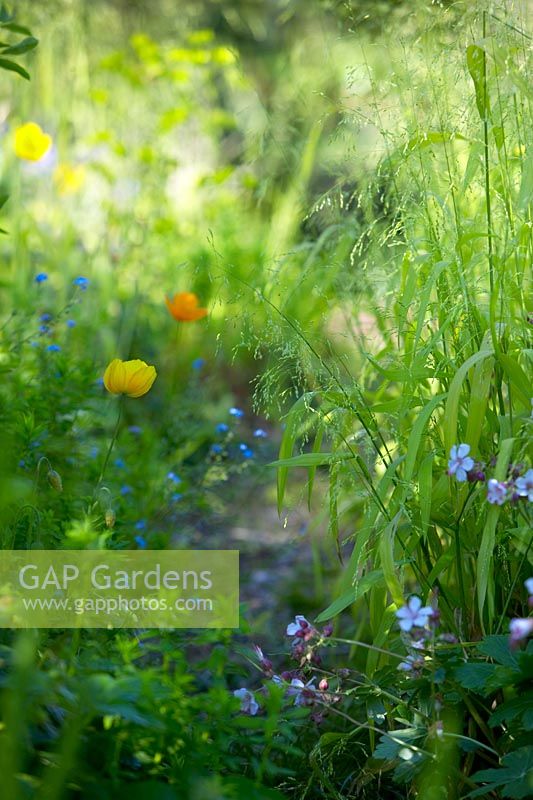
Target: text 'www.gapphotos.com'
{"type": "Point", "coordinates": [112, 605]}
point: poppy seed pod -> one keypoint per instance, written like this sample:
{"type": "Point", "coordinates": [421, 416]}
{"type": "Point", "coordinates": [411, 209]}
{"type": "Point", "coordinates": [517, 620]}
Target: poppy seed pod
{"type": "Point", "coordinates": [54, 479]}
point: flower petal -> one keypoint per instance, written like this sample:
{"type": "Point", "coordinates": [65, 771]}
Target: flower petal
{"type": "Point", "coordinates": [406, 624]}
{"type": "Point", "coordinates": [292, 629]}
{"type": "Point", "coordinates": [111, 382]}
{"type": "Point", "coordinates": [404, 613]}
{"type": "Point", "coordinates": [414, 603]}
{"type": "Point", "coordinates": [141, 381]}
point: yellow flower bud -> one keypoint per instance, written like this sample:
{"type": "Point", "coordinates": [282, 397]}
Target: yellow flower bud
{"type": "Point", "coordinates": [110, 518]}
{"type": "Point", "coordinates": [133, 378]}
{"type": "Point", "coordinates": [31, 142]}
{"type": "Point", "coordinates": [54, 479]}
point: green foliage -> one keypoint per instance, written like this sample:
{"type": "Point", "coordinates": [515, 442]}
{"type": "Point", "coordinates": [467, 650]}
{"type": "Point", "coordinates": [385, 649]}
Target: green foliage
{"type": "Point", "coordinates": [20, 48]}
{"type": "Point", "coordinates": [513, 779]}
{"type": "Point", "coordinates": [452, 363]}
{"type": "Point", "coordinates": [140, 716]}
{"type": "Point", "coordinates": [363, 242]}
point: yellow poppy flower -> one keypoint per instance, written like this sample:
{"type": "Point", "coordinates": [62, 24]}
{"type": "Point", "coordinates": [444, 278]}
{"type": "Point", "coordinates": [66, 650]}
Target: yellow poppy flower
{"type": "Point", "coordinates": [133, 378]}
{"type": "Point", "coordinates": [31, 142]}
{"type": "Point", "coordinates": [184, 307]}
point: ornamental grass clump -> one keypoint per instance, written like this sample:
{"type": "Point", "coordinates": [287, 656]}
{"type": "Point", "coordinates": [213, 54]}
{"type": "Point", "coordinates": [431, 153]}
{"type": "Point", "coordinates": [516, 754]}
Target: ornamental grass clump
{"type": "Point", "coordinates": [422, 431]}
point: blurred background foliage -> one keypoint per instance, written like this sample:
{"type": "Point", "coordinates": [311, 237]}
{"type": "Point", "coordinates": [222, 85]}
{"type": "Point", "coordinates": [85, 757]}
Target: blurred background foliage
{"type": "Point", "coordinates": [191, 143]}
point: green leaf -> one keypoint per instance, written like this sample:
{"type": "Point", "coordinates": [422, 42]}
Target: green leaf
{"type": "Point", "coordinates": [499, 136]}
{"type": "Point", "coordinates": [407, 290]}
{"type": "Point", "coordinates": [310, 460]}
{"type": "Point", "coordinates": [386, 552]}
{"type": "Point", "coordinates": [442, 563]}
{"type": "Point", "coordinates": [425, 484]}
{"type": "Point", "coordinates": [514, 779]}
{"type": "Point", "coordinates": [380, 639]}
{"type": "Point", "coordinates": [390, 744]}
{"type": "Point", "coordinates": [517, 376]}
{"type": "Point", "coordinates": [525, 195]}
{"type": "Point", "coordinates": [362, 586]}
{"type": "Point", "coordinates": [454, 393]}
{"type": "Point", "coordinates": [488, 539]}
{"type": "Point", "coordinates": [317, 444]}
{"type": "Point", "coordinates": [475, 676]}
{"type": "Point", "coordinates": [497, 648]}
{"type": "Point", "coordinates": [479, 397]}
{"type": "Point", "coordinates": [433, 137]}
{"type": "Point", "coordinates": [333, 521]}
{"type": "Point", "coordinates": [288, 441]}
{"type": "Point", "coordinates": [402, 374]}
{"type": "Point", "coordinates": [425, 295]}
{"type": "Point", "coordinates": [29, 43]}
{"type": "Point", "coordinates": [413, 443]}
{"type": "Point", "coordinates": [14, 28]}
{"type": "Point", "coordinates": [518, 707]}
{"type": "Point", "coordinates": [12, 66]}
{"type": "Point", "coordinates": [369, 525]}
{"type": "Point", "coordinates": [475, 61]}
{"type": "Point", "coordinates": [473, 165]}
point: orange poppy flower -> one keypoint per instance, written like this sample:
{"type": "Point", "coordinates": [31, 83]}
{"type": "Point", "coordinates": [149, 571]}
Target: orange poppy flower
{"type": "Point", "coordinates": [184, 307]}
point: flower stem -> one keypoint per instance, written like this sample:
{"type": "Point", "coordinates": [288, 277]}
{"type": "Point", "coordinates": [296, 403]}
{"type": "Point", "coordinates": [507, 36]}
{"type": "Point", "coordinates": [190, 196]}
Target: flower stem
{"type": "Point", "coordinates": [111, 443]}
{"type": "Point", "coordinates": [513, 584]}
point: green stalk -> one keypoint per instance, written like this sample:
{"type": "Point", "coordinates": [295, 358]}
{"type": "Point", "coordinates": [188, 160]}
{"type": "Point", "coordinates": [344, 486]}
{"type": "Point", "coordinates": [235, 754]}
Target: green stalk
{"type": "Point", "coordinates": [488, 208]}
{"type": "Point", "coordinates": [513, 584]}
{"type": "Point", "coordinates": [112, 442]}
{"type": "Point", "coordinates": [487, 176]}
